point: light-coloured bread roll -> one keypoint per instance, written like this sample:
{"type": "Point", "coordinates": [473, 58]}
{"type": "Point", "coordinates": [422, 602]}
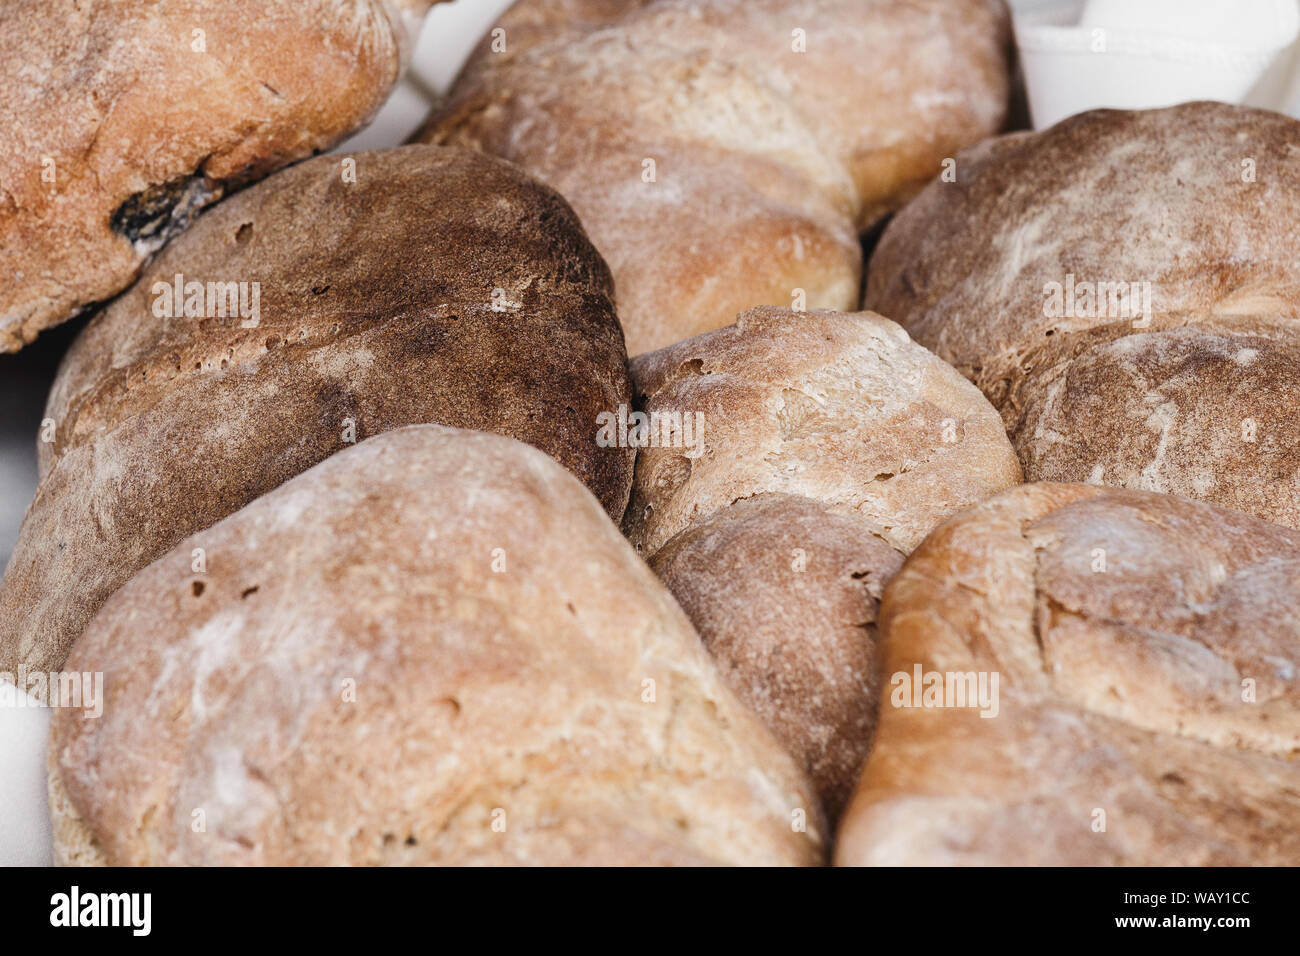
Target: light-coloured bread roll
{"type": "Point", "coordinates": [123, 119]}
{"type": "Point", "coordinates": [433, 648]}
{"type": "Point", "coordinates": [1020, 272]}
{"type": "Point", "coordinates": [725, 153]}
{"type": "Point", "coordinates": [825, 447]}
{"type": "Point", "coordinates": [1147, 710]}
{"type": "Point", "coordinates": [439, 286]}
{"type": "Point", "coordinates": [842, 408]}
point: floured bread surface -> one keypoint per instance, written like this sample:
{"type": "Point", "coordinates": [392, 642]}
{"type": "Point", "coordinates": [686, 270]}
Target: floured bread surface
{"type": "Point", "coordinates": [724, 154]}
{"type": "Point", "coordinates": [434, 648]}
{"type": "Point", "coordinates": [412, 285]}
{"type": "Point", "coordinates": [816, 449]}
{"type": "Point", "coordinates": [1123, 288]}
{"type": "Point", "coordinates": [1147, 710]}
{"type": "Point", "coordinates": [123, 119]}
{"type": "Point", "coordinates": [842, 408]}
{"type": "Point", "coordinates": [784, 592]}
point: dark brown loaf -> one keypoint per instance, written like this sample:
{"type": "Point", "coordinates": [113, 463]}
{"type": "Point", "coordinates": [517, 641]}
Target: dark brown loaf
{"type": "Point", "coordinates": [767, 161]}
{"type": "Point", "coordinates": [122, 119]}
{"type": "Point", "coordinates": [1148, 708]}
{"type": "Point", "coordinates": [1201, 201]}
{"type": "Point", "coordinates": [433, 648]}
{"type": "Point", "coordinates": [377, 309]}
{"type": "Point", "coordinates": [784, 591]}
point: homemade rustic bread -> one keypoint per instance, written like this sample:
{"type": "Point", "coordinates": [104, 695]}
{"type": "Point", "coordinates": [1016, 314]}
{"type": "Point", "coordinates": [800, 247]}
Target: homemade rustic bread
{"type": "Point", "coordinates": [439, 286]}
{"type": "Point", "coordinates": [842, 408]}
{"type": "Point", "coordinates": [784, 591]}
{"type": "Point", "coordinates": [433, 648]}
{"type": "Point", "coordinates": [1147, 709]}
{"type": "Point", "coordinates": [725, 153]}
{"type": "Point", "coordinates": [824, 446]}
{"type": "Point", "coordinates": [1033, 272]}
{"type": "Point", "coordinates": [122, 119]}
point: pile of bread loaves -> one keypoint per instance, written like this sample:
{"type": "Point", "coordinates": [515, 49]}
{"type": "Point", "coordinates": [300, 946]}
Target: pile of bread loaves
{"type": "Point", "coordinates": [389, 554]}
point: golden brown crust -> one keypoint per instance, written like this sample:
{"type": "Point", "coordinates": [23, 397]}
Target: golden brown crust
{"type": "Point", "coordinates": [1146, 647]}
{"type": "Point", "coordinates": [377, 310]}
{"type": "Point", "coordinates": [144, 113]}
{"type": "Point", "coordinates": [842, 408]}
{"type": "Point", "coordinates": [372, 672]}
{"type": "Point", "coordinates": [1199, 201]}
{"type": "Point", "coordinates": [767, 160]}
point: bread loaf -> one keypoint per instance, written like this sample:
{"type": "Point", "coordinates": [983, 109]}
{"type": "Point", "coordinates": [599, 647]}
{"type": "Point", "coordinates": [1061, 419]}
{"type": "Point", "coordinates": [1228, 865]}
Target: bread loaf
{"type": "Point", "coordinates": [724, 154]}
{"type": "Point", "coordinates": [784, 591]}
{"type": "Point", "coordinates": [840, 408]}
{"type": "Point", "coordinates": [825, 447]}
{"type": "Point", "coordinates": [1136, 654]}
{"type": "Point", "coordinates": [373, 672]}
{"type": "Point", "coordinates": [430, 285]}
{"type": "Point", "coordinates": [1123, 288]}
{"type": "Point", "coordinates": [123, 119]}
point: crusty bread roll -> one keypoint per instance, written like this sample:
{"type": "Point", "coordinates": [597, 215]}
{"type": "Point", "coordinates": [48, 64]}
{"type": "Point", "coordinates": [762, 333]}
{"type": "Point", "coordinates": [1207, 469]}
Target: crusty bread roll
{"type": "Point", "coordinates": [433, 648]}
{"type": "Point", "coordinates": [122, 119]}
{"type": "Point", "coordinates": [827, 445]}
{"type": "Point", "coordinates": [725, 153]}
{"type": "Point", "coordinates": [842, 408]}
{"type": "Point", "coordinates": [439, 286]}
{"type": "Point", "coordinates": [784, 591]}
{"type": "Point", "coordinates": [1147, 708]}
{"type": "Point", "coordinates": [1192, 208]}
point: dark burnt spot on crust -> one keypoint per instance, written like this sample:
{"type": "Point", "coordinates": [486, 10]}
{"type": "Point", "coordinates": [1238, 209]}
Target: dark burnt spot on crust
{"type": "Point", "coordinates": [159, 212]}
{"type": "Point", "coordinates": [147, 213]}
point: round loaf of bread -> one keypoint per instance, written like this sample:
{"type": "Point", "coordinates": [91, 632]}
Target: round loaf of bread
{"type": "Point", "coordinates": [1084, 676]}
{"type": "Point", "coordinates": [842, 408]}
{"type": "Point", "coordinates": [412, 285]}
{"type": "Point", "coordinates": [1123, 288]}
{"type": "Point", "coordinates": [122, 120]}
{"type": "Point", "coordinates": [784, 592]}
{"type": "Point", "coordinates": [822, 447]}
{"type": "Point", "coordinates": [725, 154]}
{"type": "Point", "coordinates": [434, 648]}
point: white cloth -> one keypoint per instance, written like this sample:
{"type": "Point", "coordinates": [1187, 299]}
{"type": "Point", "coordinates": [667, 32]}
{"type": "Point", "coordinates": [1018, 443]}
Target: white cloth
{"type": "Point", "coordinates": [24, 805]}
{"type": "Point", "coordinates": [1136, 54]}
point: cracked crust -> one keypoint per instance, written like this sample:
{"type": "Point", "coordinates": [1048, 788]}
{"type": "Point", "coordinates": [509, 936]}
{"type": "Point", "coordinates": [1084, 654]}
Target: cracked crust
{"type": "Point", "coordinates": [832, 444]}
{"type": "Point", "coordinates": [1198, 401]}
{"type": "Point", "coordinates": [476, 690]}
{"type": "Point", "coordinates": [1123, 625]}
{"type": "Point", "coordinates": [376, 309]}
{"type": "Point", "coordinates": [767, 161]}
{"type": "Point", "coordinates": [140, 130]}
